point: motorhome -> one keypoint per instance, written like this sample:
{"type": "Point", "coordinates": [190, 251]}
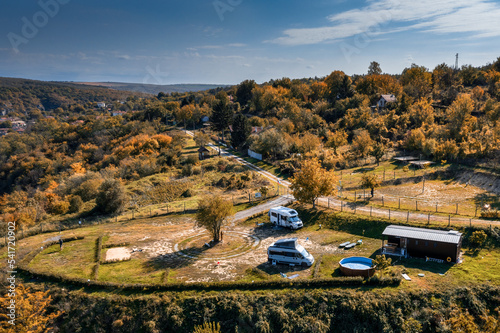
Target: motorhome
{"type": "Point", "coordinates": [289, 251]}
{"type": "Point", "coordinates": [285, 217]}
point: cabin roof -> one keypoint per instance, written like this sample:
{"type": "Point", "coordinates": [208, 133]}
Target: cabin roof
{"type": "Point", "coordinates": [450, 236]}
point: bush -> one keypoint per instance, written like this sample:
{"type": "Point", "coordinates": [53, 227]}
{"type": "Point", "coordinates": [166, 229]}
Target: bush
{"type": "Point", "coordinates": [111, 197]}
{"type": "Point", "coordinates": [478, 238]}
{"type": "Point", "coordinates": [188, 193]}
{"type": "Point", "coordinates": [75, 204]}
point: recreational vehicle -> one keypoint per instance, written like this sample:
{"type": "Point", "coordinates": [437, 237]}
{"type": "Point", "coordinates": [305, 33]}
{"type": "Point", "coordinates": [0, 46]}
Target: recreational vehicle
{"type": "Point", "coordinates": [285, 217]}
{"type": "Point", "coordinates": [288, 251]}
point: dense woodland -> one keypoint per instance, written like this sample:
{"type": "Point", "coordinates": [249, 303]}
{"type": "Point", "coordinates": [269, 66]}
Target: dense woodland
{"type": "Point", "coordinates": [71, 147]}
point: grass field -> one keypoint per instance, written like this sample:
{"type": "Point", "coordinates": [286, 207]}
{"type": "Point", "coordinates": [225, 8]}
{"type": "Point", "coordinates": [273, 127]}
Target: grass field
{"type": "Point", "coordinates": [158, 236]}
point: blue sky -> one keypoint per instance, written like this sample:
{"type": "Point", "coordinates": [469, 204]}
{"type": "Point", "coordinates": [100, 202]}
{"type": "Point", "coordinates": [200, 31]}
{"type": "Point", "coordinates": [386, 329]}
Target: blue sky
{"type": "Point", "coordinates": [228, 41]}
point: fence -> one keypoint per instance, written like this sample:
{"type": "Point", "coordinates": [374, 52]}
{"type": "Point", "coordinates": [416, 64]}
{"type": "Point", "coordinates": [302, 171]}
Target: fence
{"type": "Point", "coordinates": [186, 207]}
{"type": "Point", "coordinates": [401, 216]}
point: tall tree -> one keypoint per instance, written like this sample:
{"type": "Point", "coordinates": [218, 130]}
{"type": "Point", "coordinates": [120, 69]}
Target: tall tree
{"type": "Point", "coordinates": [312, 181]}
{"type": "Point", "coordinates": [374, 68]}
{"type": "Point", "coordinates": [241, 130]}
{"type": "Point", "coordinates": [244, 91]}
{"type": "Point", "coordinates": [222, 114]}
{"type": "Point", "coordinates": [212, 214]}
{"type": "Point", "coordinates": [370, 181]}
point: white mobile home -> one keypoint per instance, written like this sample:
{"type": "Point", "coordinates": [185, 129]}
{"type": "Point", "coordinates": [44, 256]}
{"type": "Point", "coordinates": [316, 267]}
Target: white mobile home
{"type": "Point", "coordinates": [288, 251]}
{"type": "Point", "coordinates": [285, 217]}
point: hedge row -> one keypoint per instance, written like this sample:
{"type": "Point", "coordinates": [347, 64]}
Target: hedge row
{"type": "Point", "coordinates": [98, 248]}
{"type": "Point", "coordinates": [107, 246]}
{"type": "Point", "coordinates": [217, 286]}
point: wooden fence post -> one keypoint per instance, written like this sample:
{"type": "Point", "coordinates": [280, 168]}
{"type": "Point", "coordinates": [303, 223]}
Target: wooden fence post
{"type": "Point", "coordinates": [371, 208]}
{"type": "Point", "coordinates": [399, 203]}
{"type": "Point", "coordinates": [382, 201]}
{"type": "Point", "coordinates": [389, 214]}
{"type": "Point", "coordinates": [341, 206]}
{"type": "Point", "coordinates": [416, 205]}
{"type": "Point", "coordinates": [407, 216]}
{"type": "Point", "coordinates": [449, 220]}
{"type": "Point", "coordinates": [428, 218]}
{"type": "Point", "coordinates": [456, 210]}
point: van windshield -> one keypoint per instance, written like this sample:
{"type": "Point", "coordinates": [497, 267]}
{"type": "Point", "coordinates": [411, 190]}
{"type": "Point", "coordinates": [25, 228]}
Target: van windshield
{"type": "Point", "coordinates": [294, 219]}
{"type": "Point", "coordinates": [302, 250]}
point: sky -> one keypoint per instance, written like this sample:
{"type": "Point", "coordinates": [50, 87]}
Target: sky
{"type": "Point", "coordinates": [228, 41]}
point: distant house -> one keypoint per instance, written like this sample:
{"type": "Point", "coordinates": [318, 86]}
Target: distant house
{"type": "Point", "coordinates": [203, 153]}
{"type": "Point", "coordinates": [118, 113]}
{"type": "Point", "coordinates": [257, 129]}
{"type": "Point", "coordinates": [386, 99]}
{"type": "Point", "coordinates": [205, 119]}
{"type": "Point", "coordinates": [3, 131]}
{"type": "Point", "coordinates": [101, 105]}
{"type": "Point", "coordinates": [421, 242]}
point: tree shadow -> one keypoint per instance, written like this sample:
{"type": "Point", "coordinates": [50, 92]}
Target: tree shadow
{"type": "Point", "coordinates": [416, 263]}
{"type": "Point", "coordinates": [364, 169]}
{"type": "Point", "coordinates": [177, 259]}
{"type": "Point", "coordinates": [485, 198]}
{"type": "Point", "coordinates": [267, 230]}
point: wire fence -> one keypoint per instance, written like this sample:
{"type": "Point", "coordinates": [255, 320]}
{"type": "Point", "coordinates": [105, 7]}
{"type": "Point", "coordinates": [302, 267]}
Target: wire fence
{"type": "Point", "coordinates": [413, 217]}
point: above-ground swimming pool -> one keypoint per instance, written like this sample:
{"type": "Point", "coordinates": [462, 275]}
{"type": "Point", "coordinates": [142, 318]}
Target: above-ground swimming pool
{"type": "Point", "coordinates": [357, 266]}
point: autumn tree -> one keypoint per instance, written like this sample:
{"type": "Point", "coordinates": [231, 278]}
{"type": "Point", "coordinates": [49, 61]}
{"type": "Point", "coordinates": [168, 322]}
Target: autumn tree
{"type": "Point", "coordinates": [362, 143]}
{"type": "Point", "coordinates": [201, 139]}
{"type": "Point", "coordinates": [212, 214]}
{"type": "Point", "coordinates": [370, 181]}
{"type": "Point", "coordinates": [185, 113]}
{"type": "Point", "coordinates": [337, 139]}
{"type": "Point", "coordinates": [312, 181]}
{"type": "Point", "coordinates": [241, 130]}
{"type": "Point", "coordinates": [111, 197]}
{"type": "Point", "coordinates": [417, 81]}
{"type": "Point", "coordinates": [378, 151]}
{"type": "Point", "coordinates": [270, 143]}
{"type": "Point", "coordinates": [460, 119]}
{"type": "Point", "coordinates": [30, 311]}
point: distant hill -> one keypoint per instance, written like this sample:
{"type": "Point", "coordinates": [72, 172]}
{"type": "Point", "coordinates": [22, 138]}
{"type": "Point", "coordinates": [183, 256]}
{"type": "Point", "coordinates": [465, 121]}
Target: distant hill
{"type": "Point", "coordinates": [153, 88]}
{"type": "Point", "coordinates": [25, 94]}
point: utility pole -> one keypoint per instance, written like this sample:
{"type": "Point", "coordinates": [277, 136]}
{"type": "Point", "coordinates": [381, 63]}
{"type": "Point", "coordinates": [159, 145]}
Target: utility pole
{"type": "Point", "coordinates": [456, 62]}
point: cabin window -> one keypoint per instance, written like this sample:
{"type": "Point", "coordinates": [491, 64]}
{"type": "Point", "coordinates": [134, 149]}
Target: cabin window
{"type": "Point", "coordinates": [416, 242]}
{"type": "Point", "coordinates": [426, 243]}
{"type": "Point", "coordinates": [435, 244]}
{"type": "Point", "coordinates": [274, 215]}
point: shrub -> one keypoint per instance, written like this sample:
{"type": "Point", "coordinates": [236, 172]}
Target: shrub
{"type": "Point", "coordinates": [188, 193]}
{"type": "Point", "coordinates": [75, 204]}
{"type": "Point", "coordinates": [478, 238]}
{"type": "Point", "coordinates": [111, 197]}
{"type": "Point", "coordinates": [192, 160]}
{"type": "Point", "coordinates": [382, 262]}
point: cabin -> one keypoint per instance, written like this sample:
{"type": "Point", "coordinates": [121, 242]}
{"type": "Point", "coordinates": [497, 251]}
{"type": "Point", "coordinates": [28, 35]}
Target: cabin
{"type": "Point", "coordinates": [385, 99]}
{"type": "Point", "coordinates": [422, 243]}
{"type": "Point", "coordinates": [203, 153]}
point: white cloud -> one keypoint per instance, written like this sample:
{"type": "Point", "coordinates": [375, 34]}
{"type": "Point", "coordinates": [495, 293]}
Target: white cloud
{"type": "Point", "coordinates": [479, 18]}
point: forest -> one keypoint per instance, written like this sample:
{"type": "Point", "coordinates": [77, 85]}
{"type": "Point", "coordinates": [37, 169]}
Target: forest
{"type": "Point", "coordinates": [71, 146]}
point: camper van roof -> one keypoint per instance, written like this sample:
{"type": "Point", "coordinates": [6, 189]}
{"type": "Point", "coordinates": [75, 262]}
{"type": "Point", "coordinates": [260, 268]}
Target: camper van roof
{"type": "Point", "coordinates": [288, 243]}
{"type": "Point", "coordinates": [284, 210]}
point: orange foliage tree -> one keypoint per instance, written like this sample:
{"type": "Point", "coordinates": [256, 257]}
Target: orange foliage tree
{"type": "Point", "coordinates": [30, 311]}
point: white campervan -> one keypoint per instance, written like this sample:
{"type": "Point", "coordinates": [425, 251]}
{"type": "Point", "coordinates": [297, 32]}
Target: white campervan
{"type": "Point", "coordinates": [288, 251]}
{"type": "Point", "coordinates": [285, 217]}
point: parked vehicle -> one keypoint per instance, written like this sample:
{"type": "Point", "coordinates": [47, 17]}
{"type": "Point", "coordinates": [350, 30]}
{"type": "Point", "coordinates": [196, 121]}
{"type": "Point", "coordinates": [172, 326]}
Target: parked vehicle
{"type": "Point", "coordinates": [285, 217]}
{"type": "Point", "coordinates": [288, 251]}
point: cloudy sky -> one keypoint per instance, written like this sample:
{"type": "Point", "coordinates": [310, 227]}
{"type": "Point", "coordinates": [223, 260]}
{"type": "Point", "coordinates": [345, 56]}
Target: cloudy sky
{"type": "Point", "coordinates": [228, 41]}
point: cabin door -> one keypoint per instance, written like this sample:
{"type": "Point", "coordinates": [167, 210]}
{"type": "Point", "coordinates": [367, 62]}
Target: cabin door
{"type": "Point", "coordinates": [402, 243]}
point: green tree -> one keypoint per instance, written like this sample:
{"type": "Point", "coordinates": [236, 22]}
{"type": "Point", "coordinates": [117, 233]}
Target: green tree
{"type": "Point", "coordinates": [222, 114]}
{"type": "Point", "coordinates": [75, 204]}
{"type": "Point", "coordinates": [111, 197]}
{"type": "Point", "coordinates": [244, 91]}
{"type": "Point", "coordinates": [312, 181]}
{"type": "Point", "coordinates": [212, 214]}
{"type": "Point", "coordinates": [270, 143]}
{"type": "Point", "coordinates": [374, 68]}
{"type": "Point", "coordinates": [241, 130]}
{"type": "Point", "coordinates": [201, 139]}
